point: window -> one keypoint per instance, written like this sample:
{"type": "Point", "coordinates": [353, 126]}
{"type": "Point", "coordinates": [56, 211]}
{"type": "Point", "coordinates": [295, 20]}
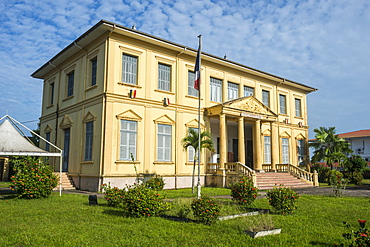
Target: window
{"type": "Point", "coordinates": [52, 93]}
{"type": "Point", "coordinates": [128, 139]}
{"type": "Point", "coordinates": [47, 145]}
{"type": "Point", "coordinates": [232, 90]}
{"type": "Point", "coordinates": [67, 140]}
{"type": "Point", "coordinates": [248, 91]}
{"type": "Point", "coordinates": [71, 81]}
{"type": "Point", "coordinates": [298, 112]}
{"type": "Point", "coordinates": [191, 150]}
{"type": "Point", "coordinates": [266, 98]}
{"type": "Point", "coordinates": [285, 150]}
{"type": "Point", "coordinates": [301, 152]}
{"type": "Point", "coordinates": [164, 77]}
{"type": "Point", "coordinates": [191, 90]}
{"type": "Point", "coordinates": [282, 99]}
{"type": "Point", "coordinates": [129, 69]}
{"type": "Point", "coordinates": [267, 149]}
{"type": "Point", "coordinates": [89, 140]}
{"type": "Point", "coordinates": [216, 90]}
{"type": "Point", "coordinates": [94, 66]}
{"type": "Point", "coordinates": [164, 142]}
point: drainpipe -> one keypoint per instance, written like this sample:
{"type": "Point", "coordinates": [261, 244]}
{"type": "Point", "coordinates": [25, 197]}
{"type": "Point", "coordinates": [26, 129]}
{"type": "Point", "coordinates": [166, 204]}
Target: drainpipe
{"type": "Point", "coordinates": [176, 115]}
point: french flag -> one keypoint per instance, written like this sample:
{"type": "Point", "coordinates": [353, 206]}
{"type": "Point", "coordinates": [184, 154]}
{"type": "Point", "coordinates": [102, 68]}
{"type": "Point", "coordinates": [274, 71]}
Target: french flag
{"type": "Point", "coordinates": [197, 70]}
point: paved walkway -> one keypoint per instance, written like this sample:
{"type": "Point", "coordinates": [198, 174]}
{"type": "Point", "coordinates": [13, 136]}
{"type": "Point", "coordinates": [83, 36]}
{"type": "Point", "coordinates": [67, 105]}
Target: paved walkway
{"type": "Point", "coordinates": [354, 191]}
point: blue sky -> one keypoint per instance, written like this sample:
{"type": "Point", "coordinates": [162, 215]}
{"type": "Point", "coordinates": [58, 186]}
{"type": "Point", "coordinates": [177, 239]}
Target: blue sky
{"type": "Point", "coordinates": [320, 43]}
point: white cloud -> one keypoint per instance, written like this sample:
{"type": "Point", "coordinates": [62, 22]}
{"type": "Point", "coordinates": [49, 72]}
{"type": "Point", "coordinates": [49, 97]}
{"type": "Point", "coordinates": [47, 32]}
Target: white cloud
{"type": "Point", "coordinates": [322, 43]}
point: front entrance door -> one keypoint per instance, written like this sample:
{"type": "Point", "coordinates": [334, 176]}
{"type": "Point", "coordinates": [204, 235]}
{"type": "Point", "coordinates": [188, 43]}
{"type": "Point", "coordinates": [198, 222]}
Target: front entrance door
{"type": "Point", "coordinates": [67, 138]}
{"type": "Point", "coordinates": [250, 154]}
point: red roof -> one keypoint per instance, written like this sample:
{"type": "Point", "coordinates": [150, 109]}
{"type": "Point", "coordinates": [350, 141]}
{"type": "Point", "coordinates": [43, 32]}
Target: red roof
{"type": "Point", "coordinates": [353, 134]}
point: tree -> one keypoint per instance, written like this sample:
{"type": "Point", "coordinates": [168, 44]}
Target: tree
{"type": "Point", "coordinates": [191, 140]}
{"type": "Point", "coordinates": [329, 147]}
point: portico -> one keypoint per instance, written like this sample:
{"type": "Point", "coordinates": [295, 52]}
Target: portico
{"type": "Point", "coordinates": [243, 118]}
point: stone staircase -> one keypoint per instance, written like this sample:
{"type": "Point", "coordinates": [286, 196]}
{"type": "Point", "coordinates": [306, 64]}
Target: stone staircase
{"type": "Point", "coordinates": [67, 183]}
{"type": "Point", "coordinates": [268, 180]}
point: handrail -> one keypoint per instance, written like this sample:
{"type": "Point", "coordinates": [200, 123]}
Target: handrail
{"type": "Point", "coordinates": [308, 176]}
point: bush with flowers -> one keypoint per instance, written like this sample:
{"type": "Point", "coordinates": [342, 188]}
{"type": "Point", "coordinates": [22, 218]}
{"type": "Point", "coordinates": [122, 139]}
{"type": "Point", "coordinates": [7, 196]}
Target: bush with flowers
{"type": "Point", "coordinates": [206, 210]}
{"type": "Point", "coordinates": [244, 191]}
{"type": "Point", "coordinates": [33, 178]}
{"type": "Point", "coordinates": [360, 237]}
{"type": "Point", "coordinates": [155, 183]}
{"type": "Point", "coordinates": [113, 196]}
{"type": "Point", "coordinates": [282, 199]}
{"type": "Point", "coordinates": [140, 201]}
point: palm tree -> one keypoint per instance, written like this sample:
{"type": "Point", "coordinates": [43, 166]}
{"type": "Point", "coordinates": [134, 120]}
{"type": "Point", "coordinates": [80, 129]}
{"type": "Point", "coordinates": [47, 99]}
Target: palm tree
{"type": "Point", "coordinates": [328, 146]}
{"type": "Point", "coordinates": [191, 140]}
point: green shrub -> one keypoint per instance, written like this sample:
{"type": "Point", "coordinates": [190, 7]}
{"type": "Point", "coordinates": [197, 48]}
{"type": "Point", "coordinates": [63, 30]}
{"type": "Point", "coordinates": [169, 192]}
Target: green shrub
{"type": "Point", "coordinates": [355, 177]}
{"type": "Point", "coordinates": [282, 199]}
{"type": "Point", "coordinates": [155, 183]}
{"type": "Point", "coordinates": [206, 210]}
{"type": "Point", "coordinates": [334, 177]}
{"type": "Point", "coordinates": [360, 237]}
{"type": "Point", "coordinates": [113, 196]}
{"type": "Point", "coordinates": [33, 178]}
{"type": "Point", "coordinates": [244, 191]}
{"type": "Point", "coordinates": [182, 207]}
{"type": "Point", "coordinates": [140, 201]}
{"type": "Point", "coordinates": [321, 171]}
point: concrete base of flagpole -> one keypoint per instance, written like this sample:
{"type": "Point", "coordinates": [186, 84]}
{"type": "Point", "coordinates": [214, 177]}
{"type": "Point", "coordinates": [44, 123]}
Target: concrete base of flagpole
{"type": "Point", "coordinates": [198, 190]}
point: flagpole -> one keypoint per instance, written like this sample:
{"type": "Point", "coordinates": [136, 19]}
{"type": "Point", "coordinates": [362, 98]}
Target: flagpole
{"type": "Point", "coordinates": [199, 130]}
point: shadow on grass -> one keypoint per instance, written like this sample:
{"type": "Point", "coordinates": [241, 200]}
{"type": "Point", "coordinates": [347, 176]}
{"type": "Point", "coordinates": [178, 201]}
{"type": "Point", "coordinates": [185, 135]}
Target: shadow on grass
{"type": "Point", "coordinates": [177, 219]}
{"type": "Point", "coordinates": [115, 212]}
{"type": "Point", "coordinates": [317, 243]}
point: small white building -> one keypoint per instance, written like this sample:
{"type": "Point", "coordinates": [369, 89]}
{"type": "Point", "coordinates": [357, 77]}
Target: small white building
{"type": "Point", "coordinates": [359, 142]}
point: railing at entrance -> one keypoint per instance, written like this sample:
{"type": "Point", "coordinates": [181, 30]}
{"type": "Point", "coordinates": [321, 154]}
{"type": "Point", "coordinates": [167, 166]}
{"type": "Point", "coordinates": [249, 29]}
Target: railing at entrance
{"type": "Point", "coordinates": [300, 173]}
{"type": "Point", "coordinates": [212, 168]}
{"type": "Point", "coordinates": [240, 168]}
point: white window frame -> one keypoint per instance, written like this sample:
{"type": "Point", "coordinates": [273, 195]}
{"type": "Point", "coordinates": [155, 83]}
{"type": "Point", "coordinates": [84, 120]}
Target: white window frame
{"type": "Point", "coordinates": [89, 139]}
{"type": "Point", "coordinates": [301, 151]}
{"type": "Point", "coordinates": [282, 102]}
{"type": "Point", "coordinates": [285, 150]}
{"type": "Point", "coordinates": [164, 77]}
{"type": "Point", "coordinates": [94, 70]}
{"type": "Point", "coordinates": [191, 90]}
{"type": "Point", "coordinates": [248, 91]}
{"type": "Point", "coordinates": [191, 150]}
{"type": "Point", "coordinates": [128, 139]}
{"type": "Point", "coordinates": [267, 149]}
{"type": "Point", "coordinates": [216, 90]}
{"type": "Point", "coordinates": [232, 90]}
{"type": "Point", "coordinates": [164, 142]}
{"type": "Point", "coordinates": [298, 107]}
{"type": "Point", "coordinates": [266, 98]}
{"type": "Point", "coordinates": [70, 83]}
{"type": "Point", "coordinates": [129, 69]}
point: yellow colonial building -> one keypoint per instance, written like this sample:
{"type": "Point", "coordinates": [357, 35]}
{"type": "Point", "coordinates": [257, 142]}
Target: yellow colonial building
{"type": "Point", "coordinates": [118, 102]}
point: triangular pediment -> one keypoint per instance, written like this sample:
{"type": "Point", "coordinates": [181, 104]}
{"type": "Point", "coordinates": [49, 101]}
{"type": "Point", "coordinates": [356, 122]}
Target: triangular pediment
{"type": "Point", "coordinates": [48, 129]}
{"type": "Point", "coordinates": [164, 120]}
{"type": "Point", "coordinates": [66, 122]}
{"type": "Point", "coordinates": [193, 124]}
{"type": "Point", "coordinates": [250, 104]}
{"type": "Point", "coordinates": [89, 117]}
{"type": "Point", "coordinates": [300, 137]}
{"type": "Point", "coordinates": [129, 115]}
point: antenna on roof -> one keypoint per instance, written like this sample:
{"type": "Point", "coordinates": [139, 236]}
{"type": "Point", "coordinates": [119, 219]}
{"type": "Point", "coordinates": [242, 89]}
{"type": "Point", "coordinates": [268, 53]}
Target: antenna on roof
{"type": "Point", "coordinates": [134, 27]}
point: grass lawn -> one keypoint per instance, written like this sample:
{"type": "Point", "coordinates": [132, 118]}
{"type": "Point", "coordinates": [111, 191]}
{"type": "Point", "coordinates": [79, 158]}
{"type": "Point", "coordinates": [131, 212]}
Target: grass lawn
{"type": "Point", "coordinates": [70, 221]}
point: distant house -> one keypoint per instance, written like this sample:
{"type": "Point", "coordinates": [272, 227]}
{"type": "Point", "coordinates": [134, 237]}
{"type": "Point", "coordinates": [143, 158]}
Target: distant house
{"type": "Point", "coordinates": [359, 142]}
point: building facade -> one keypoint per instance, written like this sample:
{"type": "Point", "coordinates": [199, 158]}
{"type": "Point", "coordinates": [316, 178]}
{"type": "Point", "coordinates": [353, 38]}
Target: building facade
{"type": "Point", "coordinates": [359, 142]}
{"type": "Point", "coordinates": [118, 102]}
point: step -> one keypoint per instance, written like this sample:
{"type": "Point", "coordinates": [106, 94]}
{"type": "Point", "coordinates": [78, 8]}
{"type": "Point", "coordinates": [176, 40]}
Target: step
{"type": "Point", "coordinates": [67, 183]}
{"type": "Point", "coordinates": [266, 181]}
